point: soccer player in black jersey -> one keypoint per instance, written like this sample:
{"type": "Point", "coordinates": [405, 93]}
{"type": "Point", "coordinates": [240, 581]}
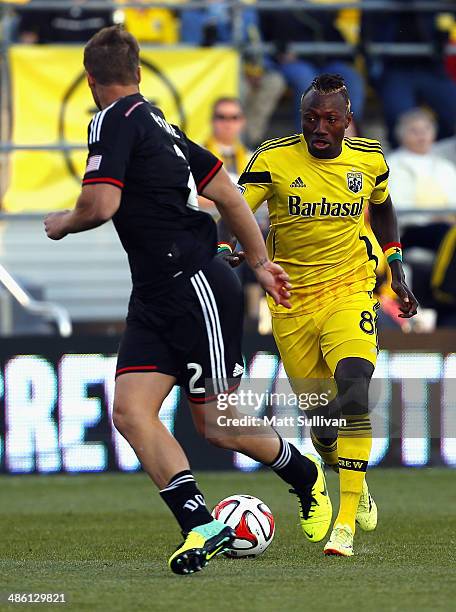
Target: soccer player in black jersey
{"type": "Point", "coordinates": [184, 323]}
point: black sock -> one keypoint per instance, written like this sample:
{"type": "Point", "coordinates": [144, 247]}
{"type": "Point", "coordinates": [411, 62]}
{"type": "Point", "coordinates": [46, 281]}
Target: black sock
{"type": "Point", "coordinates": [186, 501]}
{"type": "Point", "coordinates": [294, 468]}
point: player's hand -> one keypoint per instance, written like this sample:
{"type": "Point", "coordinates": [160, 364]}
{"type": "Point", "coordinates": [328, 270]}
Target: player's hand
{"type": "Point", "coordinates": [274, 281]}
{"type": "Point", "coordinates": [55, 225]}
{"type": "Point", "coordinates": [408, 304]}
{"type": "Point", "coordinates": [235, 259]}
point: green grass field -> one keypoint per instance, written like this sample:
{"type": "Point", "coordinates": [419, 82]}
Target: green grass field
{"type": "Point", "coordinates": [104, 541]}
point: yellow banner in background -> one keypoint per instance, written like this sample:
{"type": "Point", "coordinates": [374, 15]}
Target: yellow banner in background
{"type": "Point", "coordinates": [52, 104]}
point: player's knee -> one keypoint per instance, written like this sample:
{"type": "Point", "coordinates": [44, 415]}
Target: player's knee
{"type": "Point", "coordinates": [124, 419]}
{"type": "Point", "coordinates": [353, 376]}
{"type": "Point", "coordinates": [120, 417]}
{"type": "Point", "coordinates": [353, 368]}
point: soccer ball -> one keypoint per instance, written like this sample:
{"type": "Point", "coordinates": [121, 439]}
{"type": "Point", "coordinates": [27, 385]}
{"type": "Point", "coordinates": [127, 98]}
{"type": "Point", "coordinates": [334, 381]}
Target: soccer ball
{"type": "Point", "coordinates": [252, 522]}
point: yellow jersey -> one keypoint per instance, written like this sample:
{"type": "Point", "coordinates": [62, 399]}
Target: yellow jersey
{"type": "Point", "coordinates": [316, 211]}
{"type": "Point", "coordinates": [152, 25]}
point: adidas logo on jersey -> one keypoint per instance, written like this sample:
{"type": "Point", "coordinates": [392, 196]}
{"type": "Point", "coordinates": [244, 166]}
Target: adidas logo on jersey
{"type": "Point", "coordinates": [238, 370]}
{"type": "Point", "coordinates": [298, 183]}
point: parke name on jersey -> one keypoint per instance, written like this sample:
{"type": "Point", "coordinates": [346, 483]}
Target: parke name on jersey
{"type": "Point", "coordinates": [298, 208]}
{"type": "Point", "coordinates": [165, 125]}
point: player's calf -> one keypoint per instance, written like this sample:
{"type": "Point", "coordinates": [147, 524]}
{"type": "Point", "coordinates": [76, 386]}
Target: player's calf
{"type": "Point", "coordinates": [355, 435]}
{"type": "Point", "coordinates": [326, 448]}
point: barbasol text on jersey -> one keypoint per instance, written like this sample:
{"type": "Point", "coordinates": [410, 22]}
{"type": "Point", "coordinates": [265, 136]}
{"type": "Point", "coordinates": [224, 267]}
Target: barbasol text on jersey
{"type": "Point", "coordinates": [324, 208]}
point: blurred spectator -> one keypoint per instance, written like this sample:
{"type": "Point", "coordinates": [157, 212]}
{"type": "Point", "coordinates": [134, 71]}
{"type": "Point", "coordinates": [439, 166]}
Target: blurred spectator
{"type": "Point", "coordinates": [288, 26]}
{"type": "Point", "coordinates": [151, 25]}
{"type": "Point", "coordinates": [262, 86]}
{"type": "Point", "coordinates": [76, 24]}
{"type": "Point", "coordinates": [211, 25]}
{"type": "Point", "coordinates": [261, 90]}
{"type": "Point", "coordinates": [446, 148]}
{"type": "Point", "coordinates": [419, 178]}
{"type": "Point", "coordinates": [228, 123]}
{"type": "Point", "coordinates": [227, 126]}
{"type": "Point", "coordinates": [405, 81]}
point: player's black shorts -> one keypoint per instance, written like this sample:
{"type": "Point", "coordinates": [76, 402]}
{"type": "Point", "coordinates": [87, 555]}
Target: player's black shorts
{"type": "Point", "coordinates": [201, 346]}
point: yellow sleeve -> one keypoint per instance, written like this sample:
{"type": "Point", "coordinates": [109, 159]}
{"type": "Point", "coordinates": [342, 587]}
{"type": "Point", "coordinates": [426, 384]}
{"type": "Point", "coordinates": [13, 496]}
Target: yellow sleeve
{"type": "Point", "coordinates": [380, 191]}
{"type": "Point", "coordinates": [255, 183]}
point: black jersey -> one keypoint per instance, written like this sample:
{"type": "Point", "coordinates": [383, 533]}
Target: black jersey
{"type": "Point", "coordinates": [159, 171]}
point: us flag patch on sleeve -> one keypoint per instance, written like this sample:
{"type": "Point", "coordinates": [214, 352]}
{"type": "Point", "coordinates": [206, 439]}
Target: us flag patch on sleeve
{"type": "Point", "coordinates": [93, 163]}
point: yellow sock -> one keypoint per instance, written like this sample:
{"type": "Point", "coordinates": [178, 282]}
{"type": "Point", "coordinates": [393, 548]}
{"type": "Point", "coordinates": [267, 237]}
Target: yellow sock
{"type": "Point", "coordinates": [354, 446]}
{"type": "Point", "coordinates": [328, 452]}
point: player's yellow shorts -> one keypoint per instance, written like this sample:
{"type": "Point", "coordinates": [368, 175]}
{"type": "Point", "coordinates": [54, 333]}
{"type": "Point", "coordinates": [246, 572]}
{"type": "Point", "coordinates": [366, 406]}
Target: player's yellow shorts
{"type": "Point", "coordinates": [311, 345]}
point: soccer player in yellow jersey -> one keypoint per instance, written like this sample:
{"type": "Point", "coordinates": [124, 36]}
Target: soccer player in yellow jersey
{"type": "Point", "coordinates": [317, 185]}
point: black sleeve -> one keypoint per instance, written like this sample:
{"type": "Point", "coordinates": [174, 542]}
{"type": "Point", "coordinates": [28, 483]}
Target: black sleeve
{"type": "Point", "coordinates": [203, 164]}
{"type": "Point", "coordinates": [111, 138]}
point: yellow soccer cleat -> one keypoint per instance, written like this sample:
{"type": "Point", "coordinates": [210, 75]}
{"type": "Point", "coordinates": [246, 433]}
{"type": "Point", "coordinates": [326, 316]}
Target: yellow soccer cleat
{"type": "Point", "coordinates": [340, 543]}
{"type": "Point", "coordinates": [202, 544]}
{"type": "Point", "coordinates": [315, 508]}
{"type": "Point", "coordinates": [366, 515]}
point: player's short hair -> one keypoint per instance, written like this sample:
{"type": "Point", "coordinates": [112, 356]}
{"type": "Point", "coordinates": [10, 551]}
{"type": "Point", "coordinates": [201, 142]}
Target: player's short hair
{"type": "Point", "coordinates": [112, 57]}
{"type": "Point", "coordinates": [414, 114]}
{"type": "Point", "coordinates": [329, 84]}
{"type": "Point", "coordinates": [226, 99]}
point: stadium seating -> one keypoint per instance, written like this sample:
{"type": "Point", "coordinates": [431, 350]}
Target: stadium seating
{"type": "Point", "coordinates": [86, 273]}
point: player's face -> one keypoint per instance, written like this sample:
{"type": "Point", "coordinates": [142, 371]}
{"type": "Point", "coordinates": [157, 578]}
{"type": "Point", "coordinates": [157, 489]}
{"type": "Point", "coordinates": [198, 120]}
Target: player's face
{"type": "Point", "coordinates": [324, 121]}
{"type": "Point", "coordinates": [228, 122]}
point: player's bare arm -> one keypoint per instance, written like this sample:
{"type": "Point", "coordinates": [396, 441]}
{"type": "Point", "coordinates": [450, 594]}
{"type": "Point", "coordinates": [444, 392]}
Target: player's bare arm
{"type": "Point", "coordinates": [239, 218]}
{"type": "Point", "coordinates": [384, 225]}
{"type": "Point", "coordinates": [96, 205]}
